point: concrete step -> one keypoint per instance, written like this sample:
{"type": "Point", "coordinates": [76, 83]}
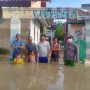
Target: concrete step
{"type": "Point", "coordinates": [87, 62]}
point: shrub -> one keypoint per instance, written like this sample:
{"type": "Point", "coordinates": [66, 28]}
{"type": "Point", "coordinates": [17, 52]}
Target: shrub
{"type": "Point", "coordinates": [4, 50]}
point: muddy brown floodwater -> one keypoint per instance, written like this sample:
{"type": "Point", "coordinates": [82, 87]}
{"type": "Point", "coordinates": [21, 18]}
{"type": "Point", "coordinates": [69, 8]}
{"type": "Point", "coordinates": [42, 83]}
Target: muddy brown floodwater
{"type": "Point", "coordinates": [31, 76]}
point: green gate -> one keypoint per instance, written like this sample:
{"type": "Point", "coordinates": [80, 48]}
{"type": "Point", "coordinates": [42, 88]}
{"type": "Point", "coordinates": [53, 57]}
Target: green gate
{"type": "Point", "coordinates": [81, 44]}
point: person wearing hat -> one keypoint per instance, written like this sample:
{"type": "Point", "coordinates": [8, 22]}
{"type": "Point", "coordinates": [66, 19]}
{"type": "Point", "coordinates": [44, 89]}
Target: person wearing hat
{"type": "Point", "coordinates": [70, 52]}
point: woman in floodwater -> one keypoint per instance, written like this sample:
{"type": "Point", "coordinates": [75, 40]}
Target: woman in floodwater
{"type": "Point", "coordinates": [70, 52]}
{"type": "Point", "coordinates": [55, 50]}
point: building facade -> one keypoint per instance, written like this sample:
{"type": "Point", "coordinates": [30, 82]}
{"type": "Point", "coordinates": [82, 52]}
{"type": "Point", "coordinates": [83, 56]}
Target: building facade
{"type": "Point", "coordinates": [80, 28]}
{"type": "Point", "coordinates": [15, 18]}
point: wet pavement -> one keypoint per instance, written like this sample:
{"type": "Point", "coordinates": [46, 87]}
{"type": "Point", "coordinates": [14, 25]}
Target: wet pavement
{"type": "Point", "coordinates": [32, 76]}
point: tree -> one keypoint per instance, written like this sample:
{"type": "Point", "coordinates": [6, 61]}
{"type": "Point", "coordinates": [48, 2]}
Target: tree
{"type": "Point", "coordinates": [59, 31]}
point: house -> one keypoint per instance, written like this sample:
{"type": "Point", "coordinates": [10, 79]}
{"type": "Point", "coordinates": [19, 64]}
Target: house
{"type": "Point", "coordinates": [80, 27]}
{"type": "Point", "coordinates": [15, 17]}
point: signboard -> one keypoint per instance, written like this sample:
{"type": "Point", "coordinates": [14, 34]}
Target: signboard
{"type": "Point", "coordinates": [40, 13]}
{"type": "Point", "coordinates": [15, 3]}
{"type": "Point", "coordinates": [55, 13]}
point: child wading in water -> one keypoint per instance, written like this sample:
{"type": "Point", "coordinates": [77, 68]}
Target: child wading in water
{"type": "Point", "coordinates": [32, 57]}
{"type": "Point", "coordinates": [18, 59]}
{"type": "Point", "coordinates": [70, 52]}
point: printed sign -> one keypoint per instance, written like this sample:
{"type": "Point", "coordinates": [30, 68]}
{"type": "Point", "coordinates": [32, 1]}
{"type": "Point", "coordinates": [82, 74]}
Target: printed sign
{"type": "Point", "coordinates": [55, 14]}
{"type": "Point", "coordinates": [40, 13]}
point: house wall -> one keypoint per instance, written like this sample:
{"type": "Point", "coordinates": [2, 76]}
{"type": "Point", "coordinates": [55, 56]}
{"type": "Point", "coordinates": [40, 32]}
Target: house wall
{"type": "Point", "coordinates": [72, 28]}
{"type": "Point", "coordinates": [36, 4]}
{"type": "Point", "coordinates": [87, 28]}
{"type": "Point", "coordinates": [26, 27]}
{"type": "Point", "coordinates": [15, 28]}
{"type": "Point", "coordinates": [21, 12]}
{"type": "Point", "coordinates": [4, 33]}
{"type": "Point", "coordinates": [38, 32]}
{"type": "Point", "coordinates": [32, 29]}
{"type": "Point", "coordinates": [76, 27]}
{"type": "Point", "coordinates": [35, 30]}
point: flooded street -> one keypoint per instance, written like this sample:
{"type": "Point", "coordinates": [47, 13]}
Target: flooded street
{"type": "Point", "coordinates": [31, 76]}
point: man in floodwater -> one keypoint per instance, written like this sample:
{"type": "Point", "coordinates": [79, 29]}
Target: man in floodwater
{"type": "Point", "coordinates": [43, 50]}
{"type": "Point", "coordinates": [30, 47]}
{"type": "Point", "coordinates": [18, 45]}
{"type": "Point", "coordinates": [70, 52]}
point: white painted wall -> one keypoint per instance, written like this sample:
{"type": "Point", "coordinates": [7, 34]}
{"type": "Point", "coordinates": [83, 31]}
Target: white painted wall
{"type": "Point", "coordinates": [37, 31]}
{"type": "Point", "coordinates": [38, 26]}
{"type": "Point", "coordinates": [32, 29]}
{"type": "Point", "coordinates": [87, 28]}
{"type": "Point", "coordinates": [38, 34]}
{"type": "Point", "coordinates": [35, 25]}
{"type": "Point", "coordinates": [15, 28]}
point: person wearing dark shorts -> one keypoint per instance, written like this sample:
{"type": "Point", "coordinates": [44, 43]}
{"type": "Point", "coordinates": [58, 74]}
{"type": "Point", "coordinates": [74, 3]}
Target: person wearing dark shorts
{"type": "Point", "coordinates": [55, 50]}
{"type": "Point", "coordinates": [43, 49]}
{"type": "Point", "coordinates": [43, 59]}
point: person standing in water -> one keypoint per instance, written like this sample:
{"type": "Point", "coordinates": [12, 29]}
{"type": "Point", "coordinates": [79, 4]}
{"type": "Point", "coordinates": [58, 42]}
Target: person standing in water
{"type": "Point", "coordinates": [70, 52]}
{"type": "Point", "coordinates": [18, 45]}
{"type": "Point", "coordinates": [55, 50]}
{"type": "Point", "coordinates": [43, 50]}
{"type": "Point", "coordinates": [30, 49]}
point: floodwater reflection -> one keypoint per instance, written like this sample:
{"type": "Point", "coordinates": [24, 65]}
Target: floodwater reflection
{"type": "Point", "coordinates": [33, 76]}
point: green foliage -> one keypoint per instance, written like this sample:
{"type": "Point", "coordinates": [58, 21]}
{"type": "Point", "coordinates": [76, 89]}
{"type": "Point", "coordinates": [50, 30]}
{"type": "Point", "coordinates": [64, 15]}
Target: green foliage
{"type": "Point", "coordinates": [59, 31]}
{"type": "Point", "coordinates": [4, 51]}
